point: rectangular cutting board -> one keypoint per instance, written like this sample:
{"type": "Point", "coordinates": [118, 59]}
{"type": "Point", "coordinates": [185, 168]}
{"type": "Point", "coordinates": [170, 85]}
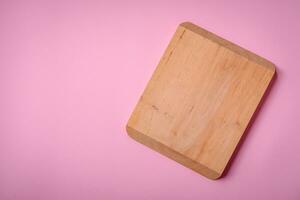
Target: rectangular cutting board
{"type": "Point", "coordinates": [200, 100]}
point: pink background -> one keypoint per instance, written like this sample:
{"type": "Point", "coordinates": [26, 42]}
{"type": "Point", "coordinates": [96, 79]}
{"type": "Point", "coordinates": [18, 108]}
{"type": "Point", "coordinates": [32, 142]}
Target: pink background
{"type": "Point", "coordinates": [72, 71]}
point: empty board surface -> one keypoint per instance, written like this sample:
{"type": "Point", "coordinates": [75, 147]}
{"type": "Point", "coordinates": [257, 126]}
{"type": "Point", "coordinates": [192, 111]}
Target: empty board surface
{"type": "Point", "coordinates": [200, 100]}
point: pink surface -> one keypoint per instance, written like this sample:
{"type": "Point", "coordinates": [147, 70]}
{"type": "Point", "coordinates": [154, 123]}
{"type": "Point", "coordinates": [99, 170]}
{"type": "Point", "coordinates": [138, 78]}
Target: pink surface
{"type": "Point", "coordinates": [71, 73]}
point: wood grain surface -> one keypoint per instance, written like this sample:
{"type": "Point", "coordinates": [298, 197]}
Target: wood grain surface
{"type": "Point", "coordinates": [200, 100]}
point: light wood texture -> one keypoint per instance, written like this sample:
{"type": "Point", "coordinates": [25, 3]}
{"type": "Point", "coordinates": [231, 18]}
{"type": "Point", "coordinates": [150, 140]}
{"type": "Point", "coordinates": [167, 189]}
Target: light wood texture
{"type": "Point", "coordinates": [200, 100]}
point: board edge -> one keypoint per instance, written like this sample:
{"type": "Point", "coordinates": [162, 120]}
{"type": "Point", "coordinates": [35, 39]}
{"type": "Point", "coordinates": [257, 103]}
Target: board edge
{"type": "Point", "coordinates": [233, 47]}
{"type": "Point", "coordinates": [172, 154]}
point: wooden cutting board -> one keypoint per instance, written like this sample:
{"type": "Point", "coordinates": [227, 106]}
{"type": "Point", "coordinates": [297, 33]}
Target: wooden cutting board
{"type": "Point", "coordinates": [200, 100]}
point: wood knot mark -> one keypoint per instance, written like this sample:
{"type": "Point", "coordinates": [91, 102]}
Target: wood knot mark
{"type": "Point", "coordinates": [141, 98]}
{"type": "Point", "coordinates": [174, 132]}
{"type": "Point", "coordinates": [191, 109]}
{"type": "Point", "coordinates": [154, 107]}
{"type": "Point", "coordinates": [238, 125]}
